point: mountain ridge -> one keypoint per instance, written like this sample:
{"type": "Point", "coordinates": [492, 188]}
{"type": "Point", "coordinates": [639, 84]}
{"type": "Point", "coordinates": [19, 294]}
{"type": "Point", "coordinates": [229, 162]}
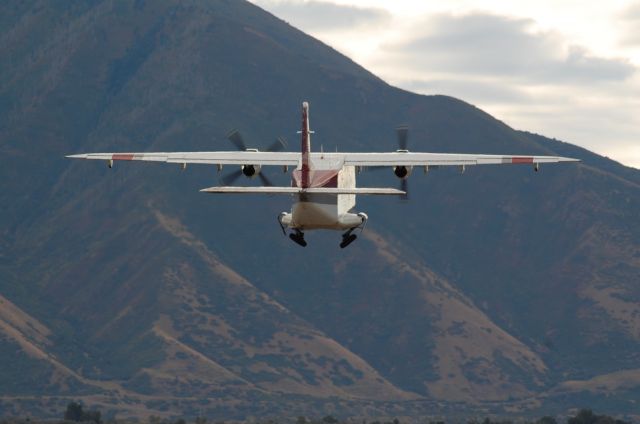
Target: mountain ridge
{"type": "Point", "coordinates": [502, 290]}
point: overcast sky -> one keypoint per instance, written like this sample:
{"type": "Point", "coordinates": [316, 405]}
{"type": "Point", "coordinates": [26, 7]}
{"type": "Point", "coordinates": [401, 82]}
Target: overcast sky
{"type": "Point", "coordinates": [567, 69]}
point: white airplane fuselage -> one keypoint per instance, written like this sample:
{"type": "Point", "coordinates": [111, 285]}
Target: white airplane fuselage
{"type": "Point", "coordinates": [325, 211]}
{"type": "Point", "coordinates": [321, 211]}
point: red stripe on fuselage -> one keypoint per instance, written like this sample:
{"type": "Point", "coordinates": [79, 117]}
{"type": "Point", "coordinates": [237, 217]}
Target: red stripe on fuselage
{"type": "Point", "coordinates": [521, 160]}
{"type": "Point", "coordinates": [316, 178]}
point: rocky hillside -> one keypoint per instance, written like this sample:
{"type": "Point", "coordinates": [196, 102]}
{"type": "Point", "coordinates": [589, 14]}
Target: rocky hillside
{"type": "Point", "coordinates": [499, 290]}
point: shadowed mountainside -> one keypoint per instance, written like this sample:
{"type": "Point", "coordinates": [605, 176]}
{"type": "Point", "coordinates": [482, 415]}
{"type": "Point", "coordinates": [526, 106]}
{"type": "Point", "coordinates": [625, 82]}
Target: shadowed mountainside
{"type": "Point", "coordinates": [497, 290]}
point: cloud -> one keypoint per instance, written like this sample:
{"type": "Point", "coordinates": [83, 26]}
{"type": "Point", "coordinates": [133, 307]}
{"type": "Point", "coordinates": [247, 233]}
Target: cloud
{"type": "Point", "coordinates": [485, 44]}
{"type": "Point", "coordinates": [314, 15]}
{"type": "Point", "coordinates": [630, 23]}
{"type": "Point", "coordinates": [631, 13]}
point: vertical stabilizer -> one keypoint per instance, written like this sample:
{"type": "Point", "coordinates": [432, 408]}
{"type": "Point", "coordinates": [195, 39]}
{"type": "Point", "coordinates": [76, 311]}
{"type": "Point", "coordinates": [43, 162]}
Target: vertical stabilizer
{"type": "Point", "coordinates": [306, 145]}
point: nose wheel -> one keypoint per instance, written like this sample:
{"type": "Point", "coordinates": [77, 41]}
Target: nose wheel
{"type": "Point", "coordinates": [298, 237]}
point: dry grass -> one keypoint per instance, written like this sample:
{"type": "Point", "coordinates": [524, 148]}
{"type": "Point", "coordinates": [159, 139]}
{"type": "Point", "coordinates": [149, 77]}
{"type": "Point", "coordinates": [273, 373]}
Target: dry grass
{"type": "Point", "coordinates": [467, 341]}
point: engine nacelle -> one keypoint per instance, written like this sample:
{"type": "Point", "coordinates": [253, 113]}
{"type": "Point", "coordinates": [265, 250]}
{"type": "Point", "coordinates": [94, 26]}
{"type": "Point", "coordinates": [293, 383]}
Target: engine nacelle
{"type": "Point", "coordinates": [250, 171]}
{"type": "Point", "coordinates": [402, 172]}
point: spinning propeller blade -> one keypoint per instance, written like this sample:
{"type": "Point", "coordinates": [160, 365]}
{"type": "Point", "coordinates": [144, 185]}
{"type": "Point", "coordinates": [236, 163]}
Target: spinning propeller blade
{"type": "Point", "coordinates": [265, 181]}
{"type": "Point", "coordinates": [235, 137]}
{"type": "Point", "coordinates": [404, 186]}
{"type": "Point", "coordinates": [278, 145]}
{"type": "Point", "coordinates": [231, 178]}
{"type": "Point", "coordinates": [403, 137]}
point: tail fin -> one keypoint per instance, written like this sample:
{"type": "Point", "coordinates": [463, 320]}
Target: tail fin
{"type": "Point", "coordinates": [305, 145]}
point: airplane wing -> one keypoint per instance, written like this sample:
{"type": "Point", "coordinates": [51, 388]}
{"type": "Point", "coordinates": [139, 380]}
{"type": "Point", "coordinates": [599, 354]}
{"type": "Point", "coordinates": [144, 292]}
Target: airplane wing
{"type": "Point", "coordinates": [214, 158]}
{"type": "Point", "coordinates": [443, 159]}
{"type": "Point", "coordinates": [293, 158]}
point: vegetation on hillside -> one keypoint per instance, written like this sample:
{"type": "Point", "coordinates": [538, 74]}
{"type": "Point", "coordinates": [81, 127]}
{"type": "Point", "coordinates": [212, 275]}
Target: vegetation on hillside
{"type": "Point", "coordinates": [75, 413]}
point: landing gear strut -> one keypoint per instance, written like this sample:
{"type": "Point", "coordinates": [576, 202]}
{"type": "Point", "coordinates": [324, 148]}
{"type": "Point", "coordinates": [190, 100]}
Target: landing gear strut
{"type": "Point", "coordinates": [298, 237]}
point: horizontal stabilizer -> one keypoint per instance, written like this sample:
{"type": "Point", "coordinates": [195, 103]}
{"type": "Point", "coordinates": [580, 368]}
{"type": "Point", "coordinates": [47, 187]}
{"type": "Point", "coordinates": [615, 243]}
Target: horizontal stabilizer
{"type": "Point", "coordinates": [298, 190]}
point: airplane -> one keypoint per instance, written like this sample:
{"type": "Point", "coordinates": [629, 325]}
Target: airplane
{"type": "Point", "coordinates": [323, 184]}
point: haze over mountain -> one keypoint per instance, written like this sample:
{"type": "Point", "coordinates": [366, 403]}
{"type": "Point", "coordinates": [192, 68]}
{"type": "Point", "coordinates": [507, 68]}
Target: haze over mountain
{"type": "Point", "coordinates": [500, 290]}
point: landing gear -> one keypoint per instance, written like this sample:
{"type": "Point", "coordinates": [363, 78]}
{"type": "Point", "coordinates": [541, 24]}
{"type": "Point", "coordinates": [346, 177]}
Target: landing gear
{"type": "Point", "coordinates": [298, 237]}
{"type": "Point", "coordinates": [353, 223]}
{"type": "Point", "coordinates": [348, 238]}
{"type": "Point", "coordinates": [284, 220]}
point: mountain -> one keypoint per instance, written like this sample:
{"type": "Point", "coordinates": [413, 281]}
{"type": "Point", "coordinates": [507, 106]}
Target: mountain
{"type": "Point", "coordinates": [501, 291]}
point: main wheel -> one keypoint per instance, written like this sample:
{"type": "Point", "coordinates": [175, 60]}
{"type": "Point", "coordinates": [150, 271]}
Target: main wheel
{"type": "Point", "coordinates": [298, 239]}
{"type": "Point", "coordinates": [346, 241]}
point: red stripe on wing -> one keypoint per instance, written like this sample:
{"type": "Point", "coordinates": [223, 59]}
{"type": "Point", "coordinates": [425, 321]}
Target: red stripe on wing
{"type": "Point", "coordinates": [521, 160]}
{"type": "Point", "coordinates": [122, 156]}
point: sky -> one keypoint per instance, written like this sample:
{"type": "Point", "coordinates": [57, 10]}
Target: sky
{"type": "Point", "coordinates": [567, 69]}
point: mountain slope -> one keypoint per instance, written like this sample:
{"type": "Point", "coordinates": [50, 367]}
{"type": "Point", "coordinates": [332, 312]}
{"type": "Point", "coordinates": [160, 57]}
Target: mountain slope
{"type": "Point", "coordinates": [498, 289]}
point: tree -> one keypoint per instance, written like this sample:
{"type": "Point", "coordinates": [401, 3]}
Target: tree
{"type": "Point", "coordinates": [92, 416]}
{"type": "Point", "coordinates": [586, 416]}
{"type": "Point", "coordinates": [74, 412]}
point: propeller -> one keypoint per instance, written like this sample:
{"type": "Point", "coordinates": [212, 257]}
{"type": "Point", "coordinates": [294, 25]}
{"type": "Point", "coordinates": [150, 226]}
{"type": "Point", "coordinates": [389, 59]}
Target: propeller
{"type": "Point", "coordinates": [404, 186]}
{"type": "Point", "coordinates": [402, 133]}
{"type": "Point", "coordinates": [236, 139]}
{"type": "Point", "coordinates": [278, 145]}
{"type": "Point", "coordinates": [231, 178]}
{"type": "Point", "coordinates": [265, 181]}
